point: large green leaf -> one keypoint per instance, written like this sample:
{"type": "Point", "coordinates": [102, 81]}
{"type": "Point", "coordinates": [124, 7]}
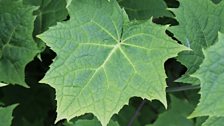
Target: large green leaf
{"type": "Point", "coordinates": [211, 75]}
{"type": "Point", "coordinates": [103, 60]}
{"type": "Point", "coordinates": [145, 9]}
{"type": "Point", "coordinates": [198, 28]}
{"type": "Point", "coordinates": [17, 47]}
{"type": "Point", "coordinates": [6, 115]}
{"type": "Point", "coordinates": [214, 121]}
{"type": "Point", "coordinates": [176, 115]}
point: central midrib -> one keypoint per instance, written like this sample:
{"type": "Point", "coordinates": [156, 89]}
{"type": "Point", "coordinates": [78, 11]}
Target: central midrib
{"type": "Point", "coordinates": [101, 66]}
{"type": "Point", "coordinates": [110, 54]}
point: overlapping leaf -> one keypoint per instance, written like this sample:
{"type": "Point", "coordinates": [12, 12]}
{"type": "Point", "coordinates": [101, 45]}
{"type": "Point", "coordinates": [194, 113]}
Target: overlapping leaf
{"type": "Point", "coordinates": [17, 47]}
{"type": "Point", "coordinates": [103, 60]}
{"type": "Point", "coordinates": [211, 75]}
{"type": "Point", "coordinates": [198, 28]}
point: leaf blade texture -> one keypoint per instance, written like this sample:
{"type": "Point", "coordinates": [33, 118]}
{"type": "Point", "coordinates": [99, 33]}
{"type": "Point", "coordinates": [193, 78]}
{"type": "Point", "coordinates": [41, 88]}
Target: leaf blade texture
{"type": "Point", "coordinates": [6, 115]}
{"type": "Point", "coordinates": [17, 47]}
{"type": "Point", "coordinates": [198, 28]}
{"type": "Point", "coordinates": [214, 121]}
{"type": "Point", "coordinates": [211, 74]}
{"type": "Point", "coordinates": [110, 60]}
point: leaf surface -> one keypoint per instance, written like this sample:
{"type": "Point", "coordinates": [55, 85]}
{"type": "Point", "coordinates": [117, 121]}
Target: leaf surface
{"type": "Point", "coordinates": [198, 28]}
{"type": "Point", "coordinates": [211, 75]}
{"type": "Point", "coordinates": [17, 47]}
{"type": "Point", "coordinates": [214, 121]}
{"type": "Point", "coordinates": [6, 115]}
{"type": "Point", "coordinates": [103, 60]}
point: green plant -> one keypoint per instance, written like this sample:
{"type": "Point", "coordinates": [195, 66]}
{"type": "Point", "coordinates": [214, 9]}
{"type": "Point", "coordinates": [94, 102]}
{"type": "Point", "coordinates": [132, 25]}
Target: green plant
{"type": "Point", "coordinates": [115, 63]}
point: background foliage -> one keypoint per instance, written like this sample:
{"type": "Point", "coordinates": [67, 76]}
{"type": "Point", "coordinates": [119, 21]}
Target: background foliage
{"type": "Point", "coordinates": [194, 78]}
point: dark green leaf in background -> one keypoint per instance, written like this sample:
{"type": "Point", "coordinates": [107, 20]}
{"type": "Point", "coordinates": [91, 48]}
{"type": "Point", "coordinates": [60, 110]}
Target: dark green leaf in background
{"type": "Point", "coordinates": [17, 47]}
{"type": "Point", "coordinates": [176, 115]}
{"type": "Point", "coordinates": [49, 12]}
{"type": "Point", "coordinates": [211, 75]}
{"type": "Point", "coordinates": [36, 104]}
{"type": "Point", "coordinates": [196, 25]}
{"type": "Point", "coordinates": [145, 9]}
{"type": "Point", "coordinates": [199, 23]}
{"type": "Point", "coordinates": [6, 115]}
{"type": "Point", "coordinates": [139, 112]}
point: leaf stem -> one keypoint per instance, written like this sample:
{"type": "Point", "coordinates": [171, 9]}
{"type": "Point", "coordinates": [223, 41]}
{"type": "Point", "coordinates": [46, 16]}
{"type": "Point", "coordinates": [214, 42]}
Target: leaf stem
{"type": "Point", "coordinates": [137, 112]}
{"type": "Point", "coordinates": [182, 88]}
